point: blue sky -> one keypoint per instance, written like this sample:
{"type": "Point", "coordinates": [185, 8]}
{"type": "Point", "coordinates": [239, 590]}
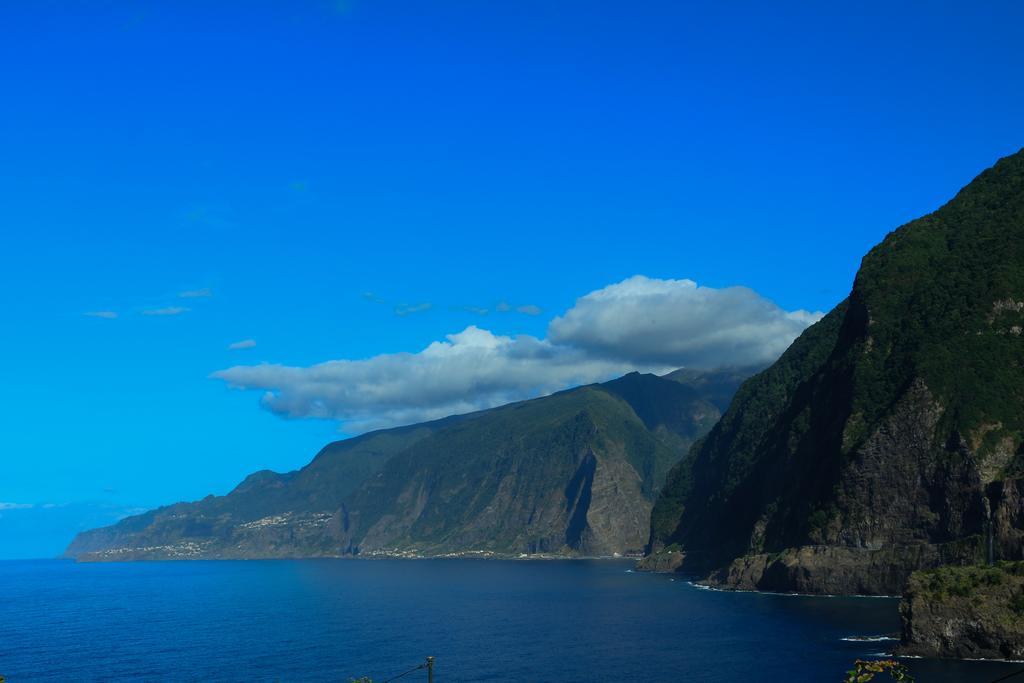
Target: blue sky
{"type": "Point", "coordinates": [325, 170]}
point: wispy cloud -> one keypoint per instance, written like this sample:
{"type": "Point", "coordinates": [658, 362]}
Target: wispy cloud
{"type": "Point", "coordinates": [244, 344]}
{"type": "Point", "coordinates": [638, 324]}
{"type": "Point", "coordinates": [529, 309]}
{"type": "Point", "coordinates": [403, 310]}
{"type": "Point", "coordinates": [196, 293]}
{"type": "Point", "coordinates": [16, 506]}
{"type": "Point", "coordinates": [213, 217]}
{"type": "Point", "coordinates": [106, 315]}
{"type": "Point", "coordinates": [373, 298]}
{"type": "Point", "coordinates": [169, 310]}
{"type": "Point", "coordinates": [525, 309]}
{"type": "Point", "coordinates": [475, 310]}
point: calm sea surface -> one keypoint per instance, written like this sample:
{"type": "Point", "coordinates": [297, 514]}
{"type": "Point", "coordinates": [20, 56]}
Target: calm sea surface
{"type": "Point", "coordinates": [329, 620]}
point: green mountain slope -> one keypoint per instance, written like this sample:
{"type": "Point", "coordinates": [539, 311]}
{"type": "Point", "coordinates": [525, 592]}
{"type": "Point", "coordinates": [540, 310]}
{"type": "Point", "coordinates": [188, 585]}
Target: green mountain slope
{"type": "Point", "coordinates": [888, 437]}
{"type": "Point", "coordinates": [571, 473]}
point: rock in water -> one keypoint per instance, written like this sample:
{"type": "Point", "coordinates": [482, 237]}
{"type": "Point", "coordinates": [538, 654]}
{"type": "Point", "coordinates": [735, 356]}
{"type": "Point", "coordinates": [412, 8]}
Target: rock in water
{"type": "Point", "coordinates": [965, 613]}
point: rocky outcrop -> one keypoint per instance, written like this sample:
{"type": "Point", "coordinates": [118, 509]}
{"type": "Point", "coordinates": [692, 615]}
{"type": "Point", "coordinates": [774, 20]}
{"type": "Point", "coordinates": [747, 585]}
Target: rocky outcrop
{"type": "Point", "coordinates": [965, 613]}
{"type": "Point", "coordinates": [572, 474]}
{"type": "Point", "coordinates": [890, 436]}
{"type": "Point", "coordinates": [665, 560]}
{"type": "Point", "coordinates": [839, 570]}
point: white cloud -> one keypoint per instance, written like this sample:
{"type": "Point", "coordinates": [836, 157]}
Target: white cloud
{"type": "Point", "coordinates": [196, 293]}
{"type": "Point", "coordinates": [106, 315]}
{"type": "Point", "coordinates": [169, 310]}
{"type": "Point", "coordinates": [468, 371]}
{"type": "Point", "coordinates": [16, 506]}
{"type": "Point", "coordinates": [677, 322]}
{"type": "Point", "coordinates": [638, 324]}
{"type": "Point", "coordinates": [244, 344]}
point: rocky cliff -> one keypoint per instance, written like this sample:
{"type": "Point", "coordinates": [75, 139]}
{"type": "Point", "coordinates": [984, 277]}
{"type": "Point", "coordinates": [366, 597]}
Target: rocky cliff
{"type": "Point", "coordinates": [574, 473]}
{"type": "Point", "coordinates": [965, 613]}
{"type": "Point", "coordinates": [888, 438]}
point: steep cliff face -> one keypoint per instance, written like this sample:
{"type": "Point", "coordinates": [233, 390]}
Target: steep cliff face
{"type": "Point", "coordinates": [574, 473]}
{"type": "Point", "coordinates": [965, 613]}
{"type": "Point", "coordinates": [888, 437]}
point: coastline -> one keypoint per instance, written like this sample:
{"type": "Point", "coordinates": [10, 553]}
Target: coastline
{"type": "Point", "coordinates": [148, 555]}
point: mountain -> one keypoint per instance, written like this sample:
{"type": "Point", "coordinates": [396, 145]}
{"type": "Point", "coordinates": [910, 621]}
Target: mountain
{"type": "Point", "coordinates": [574, 473]}
{"type": "Point", "coordinates": [888, 437]}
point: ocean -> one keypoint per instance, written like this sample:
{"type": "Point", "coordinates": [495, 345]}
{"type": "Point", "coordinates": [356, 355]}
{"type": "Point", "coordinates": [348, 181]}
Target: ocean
{"type": "Point", "coordinates": [482, 620]}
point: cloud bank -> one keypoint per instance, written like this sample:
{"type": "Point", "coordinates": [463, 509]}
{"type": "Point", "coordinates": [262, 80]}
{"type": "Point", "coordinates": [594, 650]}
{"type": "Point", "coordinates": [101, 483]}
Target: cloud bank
{"type": "Point", "coordinates": [638, 324]}
{"type": "Point", "coordinates": [678, 323]}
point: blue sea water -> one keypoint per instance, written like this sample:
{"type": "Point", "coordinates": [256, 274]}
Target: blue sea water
{"type": "Point", "coordinates": [331, 620]}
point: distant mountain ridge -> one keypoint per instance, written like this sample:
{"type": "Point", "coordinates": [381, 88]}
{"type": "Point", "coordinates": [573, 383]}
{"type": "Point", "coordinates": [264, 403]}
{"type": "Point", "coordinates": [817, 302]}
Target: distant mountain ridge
{"type": "Point", "coordinates": [890, 436]}
{"type": "Point", "coordinates": [574, 473]}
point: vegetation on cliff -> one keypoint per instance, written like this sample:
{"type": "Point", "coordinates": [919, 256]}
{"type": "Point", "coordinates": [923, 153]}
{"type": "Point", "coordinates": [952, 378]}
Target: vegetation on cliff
{"type": "Point", "coordinates": [891, 429]}
{"type": "Point", "coordinates": [965, 612]}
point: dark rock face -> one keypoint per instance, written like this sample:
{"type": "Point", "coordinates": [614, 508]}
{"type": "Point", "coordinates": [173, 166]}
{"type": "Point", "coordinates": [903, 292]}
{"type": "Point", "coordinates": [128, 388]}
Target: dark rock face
{"type": "Point", "coordinates": [888, 438]}
{"type": "Point", "coordinates": [574, 473]}
{"type": "Point", "coordinates": [838, 570]}
{"type": "Point", "coordinates": [1007, 525]}
{"type": "Point", "coordinates": [965, 613]}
